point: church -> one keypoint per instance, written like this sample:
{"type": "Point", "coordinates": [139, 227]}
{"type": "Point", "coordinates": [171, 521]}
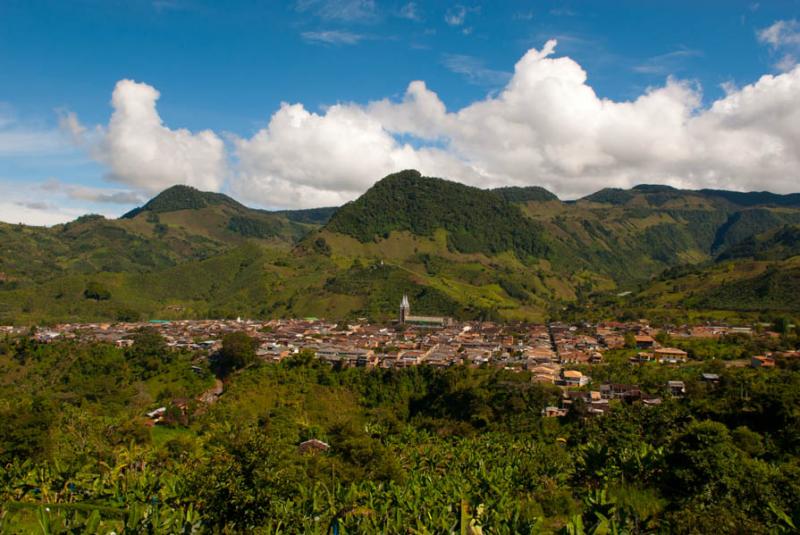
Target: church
{"type": "Point", "coordinates": [423, 321]}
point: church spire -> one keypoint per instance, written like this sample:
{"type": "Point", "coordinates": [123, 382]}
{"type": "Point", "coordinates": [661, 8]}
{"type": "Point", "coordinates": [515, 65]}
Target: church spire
{"type": "Point", "coordinates": [405, 309]}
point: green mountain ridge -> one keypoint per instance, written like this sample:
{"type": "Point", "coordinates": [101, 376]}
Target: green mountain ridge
{"type": "Point", "coordinates": [508, 253]}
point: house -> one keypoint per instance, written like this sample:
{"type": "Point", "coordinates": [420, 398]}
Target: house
{"type": "Point", "coordinates": [676, 388]}
{"type": "Point", "coordinates": [157, 414]}
{"type": "Point", "coordinates": [574, 378]}
{"type": "Point", "coordinates": [544, 373]}
{"type": "Point", "coordinates": [620, 391]}
{"type": "Point", "coordinates": [569, 396]}
{"type": "Point", "coordinates": [614, 341]}
{"type": "Point", "coordinates": [554, 412]}
{"type": "Point", "coordinates": [644, 341]}
{"type": "Point", "coordinates": [642, 356]}
{"type": "Point", "coordinates": [762, 362]}
{"type": "Point", "coordinates": [712, 378]}
{"type": "Point", "coordinates": [651, 401]}
{"type": "Point", "coordinates": [313, 446]}
{"type": "Point", "coordinates": [670, 355]}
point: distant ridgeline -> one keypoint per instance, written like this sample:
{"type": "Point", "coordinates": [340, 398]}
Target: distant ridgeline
{"type": "Point", "coordinates": [455, 250]}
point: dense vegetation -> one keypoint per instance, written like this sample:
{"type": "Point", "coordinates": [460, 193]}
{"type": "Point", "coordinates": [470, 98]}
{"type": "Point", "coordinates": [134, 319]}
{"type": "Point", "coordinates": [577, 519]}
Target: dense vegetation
{"type": "Point", "coordinates": [315, 216]}
{"type": "Point", "coordinates": [778, 244]}
{"type": "Point", "coordinates": [512, 253]}
{"type": "Point", "coordinates": [525, 194]}
{"type": "Point", "coordinates": [417, 450]}
{"type": "Point", "coordinates": [183, 198]}
{"type": "Point", "coordinates": [476, 220]}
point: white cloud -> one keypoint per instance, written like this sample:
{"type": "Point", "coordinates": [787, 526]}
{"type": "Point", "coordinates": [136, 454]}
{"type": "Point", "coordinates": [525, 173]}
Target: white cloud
{"type": "Point", "coordinates": [95, 195]}
{"type": "Point", "coordinates": [546, 127]}
{"type": "Point", "coordinates": [24, 139]}
{"type": "Point", "coordinates": [781, 33]}
{"type": "Point", "coordinates": [664, 64]}
{"type": "Point", "coordinates": [305, 159]}
{"type": "Point", "coordinates": [333, 37]}
{"type": "Point", "coordinates": [340, 10]}
{"type": "Point", "coordinates": [410, 11]}
{"type": "Point", "coordinates": [474, 70]}
{"type": "Point", "coordinates": [783, 38]}
{"type": "Point", "coordinates": [457, 15]}
{"type": "Point", "coordinates": [143, 153]}
{"type": "Point", "coordinates": [36, 214]}
{"type": "Point", "coordinates": [36, 204]}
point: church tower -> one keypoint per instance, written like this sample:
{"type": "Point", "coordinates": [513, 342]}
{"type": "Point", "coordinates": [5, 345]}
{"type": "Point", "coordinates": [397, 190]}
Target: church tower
{"type": "Point", "coordinates": [405, 309]}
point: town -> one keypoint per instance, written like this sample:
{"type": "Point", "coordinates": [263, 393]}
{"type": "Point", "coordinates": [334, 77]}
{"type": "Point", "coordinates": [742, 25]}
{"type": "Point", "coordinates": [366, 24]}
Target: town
{"type": "Point", "coordinates": [554, 353]}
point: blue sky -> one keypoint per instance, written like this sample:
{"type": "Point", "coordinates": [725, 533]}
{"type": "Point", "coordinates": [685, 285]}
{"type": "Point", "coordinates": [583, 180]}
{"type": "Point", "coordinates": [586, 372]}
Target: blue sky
{"type": "Point", "coordinates": [227, 66]}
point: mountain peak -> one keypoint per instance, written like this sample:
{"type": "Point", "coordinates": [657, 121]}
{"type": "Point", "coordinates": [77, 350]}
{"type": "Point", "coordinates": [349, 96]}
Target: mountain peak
{"type": "Point", "coordinates": [476, 220]}
{"type": "Point", "coordinates": [181, 197]}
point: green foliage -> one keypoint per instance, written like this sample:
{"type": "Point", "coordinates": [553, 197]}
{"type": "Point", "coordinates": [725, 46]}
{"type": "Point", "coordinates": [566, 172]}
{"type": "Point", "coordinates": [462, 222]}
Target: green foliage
{"type": "Point", "coordinates": [182, 198]}
{"type": "Point", "coordinates": [477, 220]}
{"type": "Point", "coordinates": [774, 290]}
{"type": "Point", "coordinates": [432, 450]}
{"type": "Point", "coordinates": [315, 216]}
{"type": "Point", "coordinates": [251, 227]}
{"type": "Point", "coordinates": [778, 244]}
{"type": "Point", "coordinates": [98, 292]}
{"type": "Point", "coordinates": [238, 350]}
{"type": "Point", "coordinates": [149, 351]}
{"type": "Point", "coordinates": [189, 254]}
{"type": "Point", "coordinates": [526, 194]}
{"type": "Point", "coordinates": [24, 430]}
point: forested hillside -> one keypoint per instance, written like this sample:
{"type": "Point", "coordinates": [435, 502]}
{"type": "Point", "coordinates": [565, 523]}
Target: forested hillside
{"type": "Point", "coordinates": [420, 449]}
{"type": "Point", "coordinates": [512, 253]}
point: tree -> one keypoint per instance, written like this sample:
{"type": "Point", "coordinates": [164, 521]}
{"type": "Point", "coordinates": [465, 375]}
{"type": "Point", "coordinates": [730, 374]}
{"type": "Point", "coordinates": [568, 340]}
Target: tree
{"type": "Point", "coordinates": [149, 349]}
{"type": "Point", "coordinates": [781, 325]}
{"type": "Point", "coordinates": [238, 350]}
{"type": "Point", "coordinates": [630, 340]}
{"type": "Point", "coordinates": [98, 292]}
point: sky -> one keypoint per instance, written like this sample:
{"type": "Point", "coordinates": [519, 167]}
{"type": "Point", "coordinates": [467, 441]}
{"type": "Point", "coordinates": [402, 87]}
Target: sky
{"type": "Point", "coordinates": [104, 103]}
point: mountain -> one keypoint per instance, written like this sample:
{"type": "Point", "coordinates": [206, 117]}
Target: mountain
{"type": "Point", "coordinates": [660, 195]}
{"type": "Point", "coordinates": [217, 217]}
{"type": "Point", "coordinates": [759, 274]}
{"type": "Point", "coordinates": [178, 225]}
{"type": "Point", "coordinates": [475, 220]}
{"type": "Point", "coordinates": [526, 194]}
{"type": "Point", "coordinates": [184, 198]}
{"type": "Point", "coordinates": [507, 253]}
{"type": "Point", "coordinates": [314, 216]}
{"type": "Point", "coordinates": [777, 244]}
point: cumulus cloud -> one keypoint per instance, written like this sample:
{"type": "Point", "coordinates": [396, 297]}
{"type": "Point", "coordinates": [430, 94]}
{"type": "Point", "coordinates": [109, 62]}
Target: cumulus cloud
{"type": "Point", "coordinates": [307, 159]}
{"type": "Point", "coordinates": [546, 127]}
{"type": "Point", "coordinates": [140, 151]}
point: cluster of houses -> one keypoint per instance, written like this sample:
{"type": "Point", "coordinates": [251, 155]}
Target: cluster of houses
{"type": "Point", "coordinates": [546, 350]}
{"type": "Point", "coordinates": [550, 352]}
